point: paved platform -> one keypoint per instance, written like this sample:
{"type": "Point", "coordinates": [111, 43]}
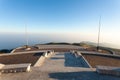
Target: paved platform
{"type": "Point", "coordinates": [61, 66]}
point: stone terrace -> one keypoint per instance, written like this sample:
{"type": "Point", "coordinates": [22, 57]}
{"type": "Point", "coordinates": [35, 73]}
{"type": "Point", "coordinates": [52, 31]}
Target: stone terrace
{"type": "Point", "coordinates": [56, 48]}
{"type": "Point", "coordinates": [61, 66]}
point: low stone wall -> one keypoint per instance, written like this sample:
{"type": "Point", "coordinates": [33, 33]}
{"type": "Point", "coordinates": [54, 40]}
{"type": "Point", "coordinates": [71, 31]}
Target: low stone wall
{"type": "Point", "coordinates": [86, 62]}
{"type": "Point", "coordinates": [13, 51]}
{"type": "Point", "coordinates": [13, 68]}
{"type": "Point", "coordinates": [40, 61]}
{"type": "Point", "coordinates": [108, 70]}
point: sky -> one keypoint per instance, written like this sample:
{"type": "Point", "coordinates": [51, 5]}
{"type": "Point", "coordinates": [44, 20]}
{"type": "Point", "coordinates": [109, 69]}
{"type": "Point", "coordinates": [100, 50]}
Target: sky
{"type": "Point", "coordinates": [58, 21]}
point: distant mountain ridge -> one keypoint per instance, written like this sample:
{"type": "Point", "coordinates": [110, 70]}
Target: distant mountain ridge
{"type": "Point", "coordinates": [109, 45]}
{"type": "Point", "coordinates": [102, 44]}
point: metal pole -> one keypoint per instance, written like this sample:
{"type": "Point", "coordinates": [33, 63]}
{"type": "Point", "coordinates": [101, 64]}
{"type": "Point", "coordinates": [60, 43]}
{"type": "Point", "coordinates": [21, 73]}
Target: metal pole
{"type": "Point", "coordinates": [98, 44]}
{"type": "Point", "coordinates": [26, 35]}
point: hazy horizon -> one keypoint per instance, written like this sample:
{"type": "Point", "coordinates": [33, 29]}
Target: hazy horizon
{"type": "Point", "coordinates": [58, 21]}
{"type": "Point", "coordinates": [10, 41]}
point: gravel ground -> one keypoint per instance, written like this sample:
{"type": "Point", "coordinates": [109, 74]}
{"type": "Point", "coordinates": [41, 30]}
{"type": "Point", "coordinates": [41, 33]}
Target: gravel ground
{"type": "Point", "coordinates": [61, 66]}
{"type": "Point", "coordinates": [102, 60]}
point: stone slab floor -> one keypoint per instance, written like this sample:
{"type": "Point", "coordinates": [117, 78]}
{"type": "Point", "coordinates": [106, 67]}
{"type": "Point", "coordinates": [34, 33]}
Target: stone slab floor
{"type": "Point", "coordinates": [61, 66]}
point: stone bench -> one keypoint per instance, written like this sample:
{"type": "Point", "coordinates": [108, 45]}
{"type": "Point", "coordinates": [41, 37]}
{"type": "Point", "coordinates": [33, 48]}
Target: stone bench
{"type": "Point", "coordinates": [108, 70]}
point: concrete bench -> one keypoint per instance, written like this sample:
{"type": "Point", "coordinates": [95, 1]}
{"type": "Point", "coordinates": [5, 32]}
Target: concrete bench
{"type": "Point", "coordinates": [108, 70]}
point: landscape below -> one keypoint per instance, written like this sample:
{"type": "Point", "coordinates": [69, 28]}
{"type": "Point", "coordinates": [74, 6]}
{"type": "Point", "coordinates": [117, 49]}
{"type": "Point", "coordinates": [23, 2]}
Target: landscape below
{"type": "Point", "coordinates": [62, 61]}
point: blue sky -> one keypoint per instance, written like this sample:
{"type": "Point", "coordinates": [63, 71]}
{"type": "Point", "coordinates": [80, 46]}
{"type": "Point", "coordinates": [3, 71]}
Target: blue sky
{"type": "Point", "coordinates": [66, 20]}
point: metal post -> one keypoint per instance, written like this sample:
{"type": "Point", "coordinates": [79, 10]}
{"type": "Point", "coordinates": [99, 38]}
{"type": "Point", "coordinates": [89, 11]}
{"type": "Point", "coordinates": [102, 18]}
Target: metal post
{"type": "Point", "coordinates": [26, 35]}
{"type": "Point", "coordinates": [98, 44]}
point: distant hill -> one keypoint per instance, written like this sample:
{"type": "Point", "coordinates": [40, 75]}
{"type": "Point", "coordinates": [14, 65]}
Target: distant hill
{"type": "Point", "coordinates": [89, 43]}
{"type": "Point", "coordinates": [58, 43]}
{"type": "Point", "coordinates": [101, 44]}
{"type": "Point", "coordinates": [85, 43]}
{"type": "Point", "coordinates": [5, 51]}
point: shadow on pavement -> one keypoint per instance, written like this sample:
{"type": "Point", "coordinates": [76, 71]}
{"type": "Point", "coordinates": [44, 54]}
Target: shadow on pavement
{"type": "Point", "coordinates": [72, 61]}
{"type": "Point", "coordinates": [57, 58]}
{"type": "Point", "coordinates": [84, 75]}
{"type": "Point", "coordinates": [73, 75]}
